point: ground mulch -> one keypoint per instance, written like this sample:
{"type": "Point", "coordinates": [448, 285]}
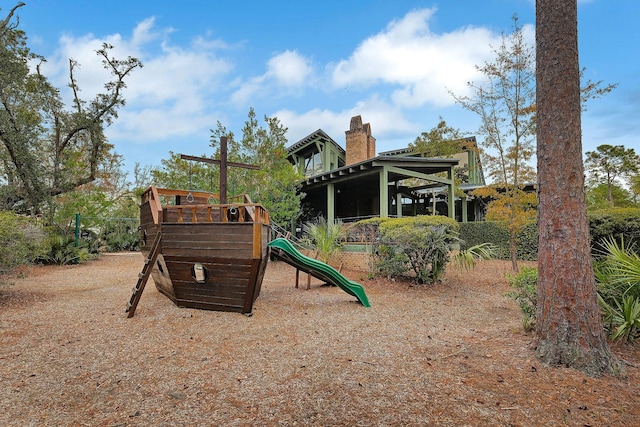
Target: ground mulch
{"type": "Point", "coordinates": [451, 354]}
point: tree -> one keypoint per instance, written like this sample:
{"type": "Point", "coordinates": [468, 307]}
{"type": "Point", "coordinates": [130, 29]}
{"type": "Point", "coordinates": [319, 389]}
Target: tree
{"type": "Point", "coordinates": [609, 163]}
{"type": "Point", "coordinates": [440, 141]}
{"type": "Point", "coordinates": [46, 148]}
{"type": "Point", "coordinates": [505, 102]}
{"type": "Point", "coordinates": [569, 325]}
{"type": "Point", "coordinates": [598, 197]}
{"type": "Point", "coordinates": [275, 185]}
{"type": "Point", "coordinates": [634, 184]}
{"type": "Point", "coordinates": [443, 141]}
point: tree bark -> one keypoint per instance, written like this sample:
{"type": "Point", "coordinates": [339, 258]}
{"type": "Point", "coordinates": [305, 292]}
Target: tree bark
{"type": "Point", "coordinates": [568, 321]}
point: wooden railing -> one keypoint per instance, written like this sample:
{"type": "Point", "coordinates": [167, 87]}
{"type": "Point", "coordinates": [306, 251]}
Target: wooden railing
{"type": "Point", "coordinates": [171, 205]}
{"type": "Point", "coordinates": [216, 213]}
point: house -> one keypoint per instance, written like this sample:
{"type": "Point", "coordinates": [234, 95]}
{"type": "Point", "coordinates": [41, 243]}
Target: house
{"type": "Point", "coordinates": [355, 183]}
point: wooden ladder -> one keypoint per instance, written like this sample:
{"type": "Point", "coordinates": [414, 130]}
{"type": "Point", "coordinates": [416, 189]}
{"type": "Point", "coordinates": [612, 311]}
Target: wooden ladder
{"type": "Point", "coordinates": [144, 275]}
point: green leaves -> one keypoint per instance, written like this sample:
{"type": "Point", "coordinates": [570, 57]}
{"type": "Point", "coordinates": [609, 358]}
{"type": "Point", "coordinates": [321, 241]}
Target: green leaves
{"type": "Point", "coordinates": [325, 237]}
{"type": "Point", "coordinates": [421, 244]}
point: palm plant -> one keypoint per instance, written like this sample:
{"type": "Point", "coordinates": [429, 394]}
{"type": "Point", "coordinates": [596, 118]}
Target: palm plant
{"type": "Point", "coordinates": [618, 278]}
{"type": "Point", "coordinates": [623, 319]}
{"type": "Point", "coordinates": [622, 267]}
{"type": "Point", "coordinates": [468, 258]}
{"type": "Point", "coordinates": [325, 237]}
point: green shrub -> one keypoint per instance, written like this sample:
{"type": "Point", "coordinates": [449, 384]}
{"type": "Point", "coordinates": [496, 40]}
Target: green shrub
{"type": "Point", "coordinates": [325, 237]}
{"type": "Point", "coordinates": [497, 233]}
{"type": "Point", "coordinates": [524, 284]}
{"type": "Point", "coordinates": [62, 248]}
{"type": "Point", "coordinates": [621, 224]}
{"type": "Point", "coordinates": [622, 319]}
{"type": "Point", "coordinates": [420, 244]}
{"type": "Point", "coordinates": [21, 241]}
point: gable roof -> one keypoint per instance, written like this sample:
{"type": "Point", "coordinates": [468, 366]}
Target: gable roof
{"type": "Point", "coordinates": [312, 138]}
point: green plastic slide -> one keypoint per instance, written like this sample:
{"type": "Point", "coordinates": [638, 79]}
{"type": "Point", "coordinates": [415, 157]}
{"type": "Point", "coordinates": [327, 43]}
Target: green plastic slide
{"type": "Point", "coordinates": [283, 249]}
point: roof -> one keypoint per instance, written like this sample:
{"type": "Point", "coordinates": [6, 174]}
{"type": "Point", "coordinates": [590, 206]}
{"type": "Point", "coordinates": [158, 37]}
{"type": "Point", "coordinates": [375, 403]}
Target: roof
{"type": "Point", "coordinates": [312, 137]}
{"type": "Point", "coordinates": [408, 151]}
{"type": "Point", "coordinates": [415, 164]}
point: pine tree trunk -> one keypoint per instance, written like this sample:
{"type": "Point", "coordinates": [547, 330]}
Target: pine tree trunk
{"type": "Point", "coordinates": [568, 322]}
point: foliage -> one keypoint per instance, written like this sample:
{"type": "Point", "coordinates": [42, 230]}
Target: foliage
{"type": "Point", "coordinates": [325, 236]}
{"type": "Point", "coordinates": [634, 187]}
{"type": "Point", "coordinates": [505, 102]}
{"type": "Point", "coordinates": [441, 141]}
{"type": "Point", "coordinates": [598, 197]}
{"type": "Point", "coordinates": [621, 224]}
{"type": "Point", "coordinates": [619, 271]}
{"type": "Point", "coordinates": [467, 259]}
{"type": "Point", "coordinates": [47, 149]}
{"type": "Point", "coordinates": [497, 233]}
{"type": "Point", "coordinates": [62, 249]}
{"type": "Point", "coordinates": [622, 319]}
{"type": "Point", "coordinates": [444, 141]}
{"type": "Point", "coordinates": [420, 244]}
{"type": "Point", "coordinates": [609, 163]}
{"type": "Point", "coordinates": [21, 241]}
{"type": "Point", "coordinates": [524, 284]}
{"type": "Point", "coordinates": [275, 185]}
{"type": "Point", "coordinates": [618, 281]}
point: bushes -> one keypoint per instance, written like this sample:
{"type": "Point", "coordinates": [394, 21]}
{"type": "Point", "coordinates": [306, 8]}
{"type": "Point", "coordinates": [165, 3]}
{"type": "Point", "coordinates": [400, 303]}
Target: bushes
{"type": "Point", "coordinates": [21, 241]}
{"type": "Point", "coordinates": [497, 233]}
{"type": "Point", "coordinates": [325, 237]}
{"type": "Point", "coordinates": [618, 284]}
{"type": "Point", "coordinates": [524, 292]}
{"type": "Point", "coordinates": [420, 244]}
{"type": "Point", "coordinates": [622, 224]}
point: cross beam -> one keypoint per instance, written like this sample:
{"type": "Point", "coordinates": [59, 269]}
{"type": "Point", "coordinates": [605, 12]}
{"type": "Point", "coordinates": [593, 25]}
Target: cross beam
{"type": "Point", "coordinates": [223, 166]}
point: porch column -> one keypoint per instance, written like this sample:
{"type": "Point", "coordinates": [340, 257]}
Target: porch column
{"type": "Point", "coordinates": [451, 197]}
{"type": "Point", "coordinates": [398, 203]}
{"type": "Point", "coordinates": [331, 203]}
{"type": "Point", "coordinates": [384, 193]}
{"type": "Point", "coordinates": [463, 202]}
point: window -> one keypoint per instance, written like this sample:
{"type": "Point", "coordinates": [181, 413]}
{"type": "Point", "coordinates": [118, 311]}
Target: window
{"type": "Point", "coordinates": [313, 164]}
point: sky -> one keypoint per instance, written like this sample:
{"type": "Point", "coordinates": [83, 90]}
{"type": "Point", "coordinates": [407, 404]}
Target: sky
{"type": "Point", "coordinates": [314, 65]}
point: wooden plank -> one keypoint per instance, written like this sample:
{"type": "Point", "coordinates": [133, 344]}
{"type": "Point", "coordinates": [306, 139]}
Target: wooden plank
{"type": "Point", "coordinates": [214, 260]}
{"type": "Point", "coordinates": [257, 241]}
{"type": "Point", "coordinates": [213, 275]}
{"type": "Point", "coordinates": [204, 227]}
{"type": "Point", "coordinates": [239, 255]}
{"type": "Point", "coordinates": [251, 287]}
{"type": "Point", "coordinates": [208, 245]}
{"type": "Point", "coordinates": [209, 306]}
{"type": "Point", "coordinates": [219, 295]}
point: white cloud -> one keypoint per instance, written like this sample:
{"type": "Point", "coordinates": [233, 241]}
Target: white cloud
{"type": "Point", "coordinates": [290, 69]}
{"type": "Point", "coordinates": [423, 65]}
{"type": "Point", "coordinates": [386, 121]}
{"type": "Point", "coordinates": [287, 74]}
{"type": "Point", "coordinates": [173, 94]}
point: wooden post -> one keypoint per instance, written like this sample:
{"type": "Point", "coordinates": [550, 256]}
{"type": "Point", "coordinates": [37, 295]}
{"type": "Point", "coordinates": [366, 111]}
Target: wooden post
{"type": "Point", "coordinates": [223, 170]}
{"type": "Point", "coordinates": [224, 164]}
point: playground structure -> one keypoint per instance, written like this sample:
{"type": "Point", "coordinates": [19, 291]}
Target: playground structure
{"type": "Point", "coordinates": [202, 255]}
{"type": "Point", "coordinates": [213, 256]}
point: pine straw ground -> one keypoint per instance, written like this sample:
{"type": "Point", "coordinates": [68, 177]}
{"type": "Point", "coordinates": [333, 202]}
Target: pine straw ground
{"type": "Point", "coordinates": [452, 354]}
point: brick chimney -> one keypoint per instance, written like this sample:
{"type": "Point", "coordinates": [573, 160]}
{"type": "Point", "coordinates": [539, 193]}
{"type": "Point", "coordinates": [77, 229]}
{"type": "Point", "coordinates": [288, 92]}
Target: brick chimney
{"type": "Point", "coordinates": [361, 145]}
